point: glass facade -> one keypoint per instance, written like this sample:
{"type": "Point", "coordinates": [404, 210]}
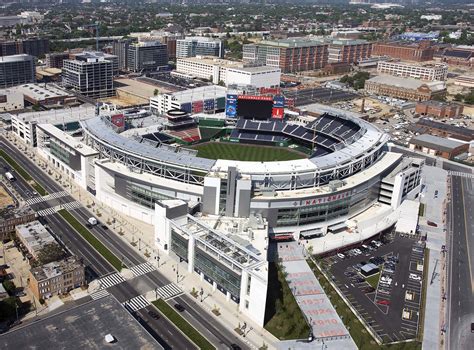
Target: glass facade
{"type": "Point", "coordinates": [215, 270]}
{"type": "Point", "coordinates": [60, 153]}
{"type": "Point", "coordinates": [179, 245]}
{"type": "Point", "coordinates": [144, 196]}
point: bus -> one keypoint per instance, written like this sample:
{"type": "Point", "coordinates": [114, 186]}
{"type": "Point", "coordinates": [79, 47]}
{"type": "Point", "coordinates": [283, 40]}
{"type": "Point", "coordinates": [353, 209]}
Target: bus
{"type": "Point", "coordinates": [9, 176]}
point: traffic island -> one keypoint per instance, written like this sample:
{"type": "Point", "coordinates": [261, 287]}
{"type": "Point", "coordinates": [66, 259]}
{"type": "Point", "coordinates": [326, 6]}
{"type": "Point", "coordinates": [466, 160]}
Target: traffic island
{"type": "Point", "coordinates": [183, 325]}
{"type": "Point", "coordinates": [94, 242]}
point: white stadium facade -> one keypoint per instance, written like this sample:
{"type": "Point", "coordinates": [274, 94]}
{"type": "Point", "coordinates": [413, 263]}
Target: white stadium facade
{"type": "Point", "coordinates": [189, 199]}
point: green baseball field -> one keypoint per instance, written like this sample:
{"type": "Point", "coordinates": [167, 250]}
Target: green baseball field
{"type": "Point", "coordinates": [235, 151]}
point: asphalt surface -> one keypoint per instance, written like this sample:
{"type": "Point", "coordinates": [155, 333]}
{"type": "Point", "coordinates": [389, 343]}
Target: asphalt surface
{"type": "Point", "coordinates": [385, 320]}
{"type": "Point", "coordinates": [460, 267]}
{"type": "Point", "coordinates": [213, 331]}
{"type": "Point", "coordinates": [318, 94]}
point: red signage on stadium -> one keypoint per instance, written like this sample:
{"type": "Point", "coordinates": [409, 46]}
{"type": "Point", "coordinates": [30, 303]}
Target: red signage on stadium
{"type": "Point", "coordinates": [118, 120]}
{"type": "Point", "coordinates": [255, 98]}
{"type": "Point", "coordinates": [277, 112]}
{"type": "Point", "coordinates": [326, 199]}
{"type": "Point", "coordinates": [269, 91]}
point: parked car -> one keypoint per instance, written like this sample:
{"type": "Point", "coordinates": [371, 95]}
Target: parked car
{"type": "Point", "coordinates": [383, 302]}
{"type": "Point", "coordinates": [414, 277]}
{"type": "Point", "coordinates": [341, 256]}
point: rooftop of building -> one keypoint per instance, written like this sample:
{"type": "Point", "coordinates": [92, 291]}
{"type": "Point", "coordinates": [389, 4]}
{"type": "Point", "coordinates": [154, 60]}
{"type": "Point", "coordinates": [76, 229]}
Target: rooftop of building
{"type": "Point", "coordinates": [16, 58]}
{"type": "Point", "coordinates": [211, 60]}
{"type": "Point", "coordinates": [149, 43]}
{"type": "Point", "coordinates": [439, 104]}
{"type": "Point", "coordinates": [67, 139]}
{"type": "Point", "coordinates": [201, 39]}
{"type": "Point", "coordinates": [35, 235]}
{"type": "Point", "coordinates": [56, 268]}
{"type": "Point", "coordinates": [199, 93]}
{"type": "Point", "coordinates": [41, 91]}
{"type": "Point", "coordinates": [293, 42]}
{"type": "Point", "coordinates": [415, 64]}
{"type": "Point", "coordinates": [57, 116]}
{"type": "Point", "coordinates": [435, 142]}
{"type": "Point", "coordinates": [344, 41]}
{"type": "Point", "coordinates": [407, 83]}
{"type": "Point", "coordinates": [82, 327]}
{"type": "Point", "coordinates": [426, 123]}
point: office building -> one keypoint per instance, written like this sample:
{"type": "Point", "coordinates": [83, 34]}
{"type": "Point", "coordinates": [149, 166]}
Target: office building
{"type": "Point", "coordinates": [45, 94]}
{"type": "Point", "coordinates": [56, 59]}
{"type": "Point", "coordinates": [405, 88]}
{"type": "Point", "coordinates": [348, 50]}
{"type": "Point", "coordinates": [32, 46]}
{"type": "Point", "coordinates": [290, 55]}
{"type": "Point", "coordinates": [16, 69]}
{"type": "Point", "coordinates": [99, 54]}
{"type": "Point", "coordinates": [147, 56]}
{"type": "Point", "coordinates": [57, 277]}
{"type": "Point", "coordinates": [418, 71]}
{"type": "Point", "coordinates": [120, 49]}
{"type": "Point", "coordinates": [418, 52]}
{"type": "Point", "coordinates": [439, 109]}
{"type": "Point", "coordinates": [228, 72]}
{"type": "Point", "coordinates": [199, 46]}
{"type": "Point", "coordinates": [90, 74]}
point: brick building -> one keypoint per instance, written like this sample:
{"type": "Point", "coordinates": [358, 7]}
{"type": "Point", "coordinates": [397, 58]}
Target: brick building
{"type": "Point", "coordinates": [438, 146]}
{"type": "Point", "coordinates": [458, 57]}
{"type": "Point", "coordinates": [418, 52]}
{"type": "Point", "coordinates": [56, 59]}
{"type": "Point", "coordinates": [426, 126]}
{"type": "Point", "coordinates": [291, 55]}
{"type": "Point", "coordinates": [57, 277]}
{"type": "Point", "coordinates": [405, 88]}
{"type": "Point", "coordinates": [439, 109]}
{"type": "Point", "coordinates": [348, 51]}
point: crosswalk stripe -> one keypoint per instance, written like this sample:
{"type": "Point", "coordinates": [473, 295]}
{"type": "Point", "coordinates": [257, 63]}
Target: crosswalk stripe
{"type": "Point", "coordinates": [142, 269]}
{"type": "Point", "coordinates": [136, 303]}
{"type": "Point", "coordinates": [48, 197]}
{"type": "Point", "coordinates": [49, 211]}
{"type": "Point", "coordinates": [111, 280]}
{"type": "Point", "coordinates": [169, 291]}
{"type": "Point", "coordinates": [100, 294]}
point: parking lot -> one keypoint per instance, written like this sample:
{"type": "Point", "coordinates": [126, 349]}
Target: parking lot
{"type": "Point", "coordinates": [389, 300]}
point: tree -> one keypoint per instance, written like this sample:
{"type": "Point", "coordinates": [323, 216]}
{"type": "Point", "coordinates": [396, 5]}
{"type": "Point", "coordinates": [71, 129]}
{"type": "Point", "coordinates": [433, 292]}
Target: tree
{"type": "Point", "coordinates": [50, 252]}
{"type": "Point", "coordinates": [155, 92]}
{"type": "Point", "coordinates": [9, 287]}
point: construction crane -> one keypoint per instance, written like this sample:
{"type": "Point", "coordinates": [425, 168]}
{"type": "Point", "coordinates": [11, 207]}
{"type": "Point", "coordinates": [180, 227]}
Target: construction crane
{"type": "Point", "coordinates": [96, 27]}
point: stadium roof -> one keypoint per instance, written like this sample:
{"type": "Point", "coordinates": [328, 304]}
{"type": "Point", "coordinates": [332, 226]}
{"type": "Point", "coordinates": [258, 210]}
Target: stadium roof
{"type": "Point", "coordinates": [435, 142]}
{"type": "Point", "coordinates": [99, 128]}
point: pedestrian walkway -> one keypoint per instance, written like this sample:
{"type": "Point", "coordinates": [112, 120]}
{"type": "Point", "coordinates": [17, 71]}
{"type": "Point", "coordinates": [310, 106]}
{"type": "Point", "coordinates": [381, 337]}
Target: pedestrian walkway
{"type": "Point", "coordinates": [460, 173]}
{"type": "Point", "coordinates": [142, 269]}
{"type": "Point", "coordinates": [100, 294]}
{"type": "Point", "coordinates": [313, 302]}
{"type": "Point", "coordinates": [169, 291]}
{"type": "Point", "coordinates": [136, 303]}
{"type": "Point", "coordinates": [111, 280]}
{"type": "Point", "coordinates": [48, 197]}
{"type": "Point", "coordinates": [53, 210]}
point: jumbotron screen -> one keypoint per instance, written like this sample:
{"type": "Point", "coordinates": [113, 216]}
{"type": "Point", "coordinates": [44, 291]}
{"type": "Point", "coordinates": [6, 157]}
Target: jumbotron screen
{"type": "Point", "coordinates": [254, 107]}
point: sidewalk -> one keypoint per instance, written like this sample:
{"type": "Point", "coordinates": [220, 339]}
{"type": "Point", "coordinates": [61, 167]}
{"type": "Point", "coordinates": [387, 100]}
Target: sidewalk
{"type": "Point", "coordinates": [141, 237]}
{"type": "Point", "coordinates": [435, 210]}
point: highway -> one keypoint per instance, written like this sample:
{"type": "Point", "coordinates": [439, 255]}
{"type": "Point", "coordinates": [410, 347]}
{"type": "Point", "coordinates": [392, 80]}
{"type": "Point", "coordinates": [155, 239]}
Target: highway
{"type": "Point", "coordinates": [460, 312]}
{"type": "Point", "coordinates": [215, 332]}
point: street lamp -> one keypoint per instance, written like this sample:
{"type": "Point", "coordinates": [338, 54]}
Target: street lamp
{"type": "Point", "coordinates": [201, 293]}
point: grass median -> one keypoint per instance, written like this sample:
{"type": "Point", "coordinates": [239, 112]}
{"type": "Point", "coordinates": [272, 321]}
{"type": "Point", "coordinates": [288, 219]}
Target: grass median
{"type": "Point", "coordinates": [89, 237]}
{"type": "Point", "coordinates": [19, 169]}
{"type": "Point", "coordinates": [196, 337]}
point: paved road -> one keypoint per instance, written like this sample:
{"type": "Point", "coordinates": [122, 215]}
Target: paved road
{"type": "Point", "coordinates": [460, 273]}
{"type": "Point", "coordinates": [213, 331]}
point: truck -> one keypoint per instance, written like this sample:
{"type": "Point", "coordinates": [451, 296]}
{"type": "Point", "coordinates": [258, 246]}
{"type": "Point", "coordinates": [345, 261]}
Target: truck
{"type": "Point", "coordinates": [92, 221]}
